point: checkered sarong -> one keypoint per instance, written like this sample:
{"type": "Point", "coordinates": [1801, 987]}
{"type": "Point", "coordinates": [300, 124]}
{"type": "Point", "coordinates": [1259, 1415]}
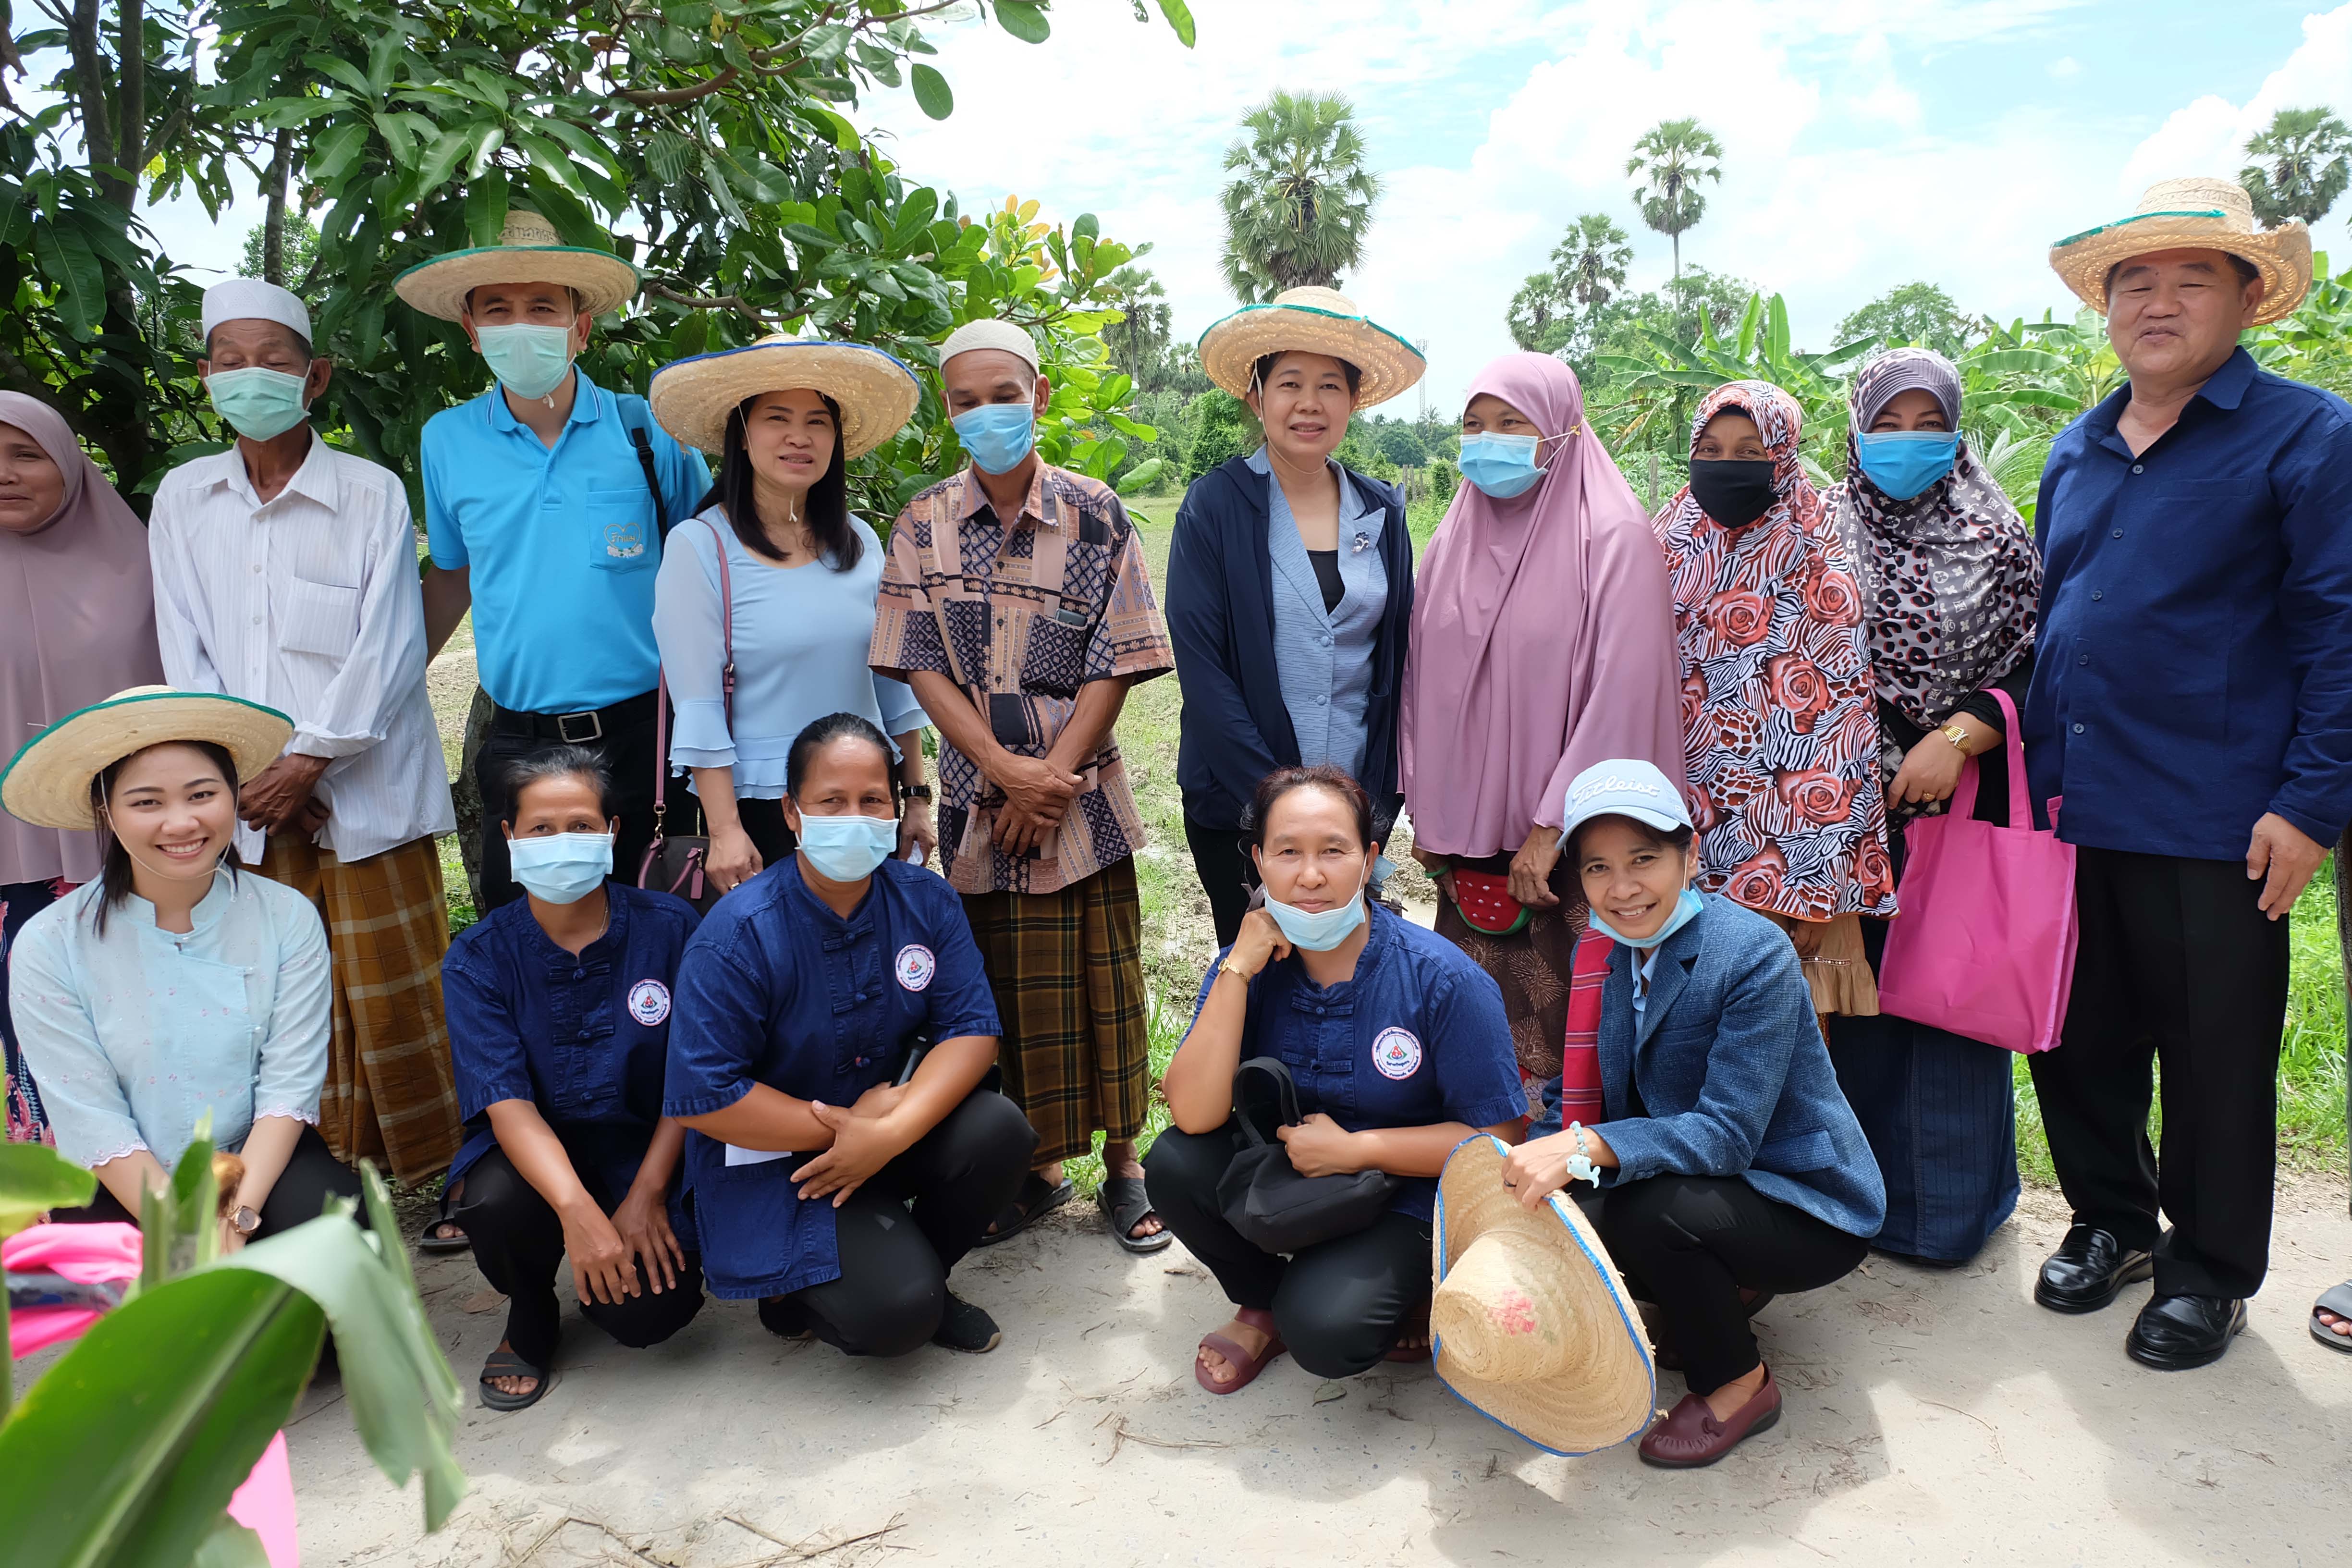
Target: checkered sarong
{"type": "Point", "coordinates": [390, 1094]}
{"type": "Point", "coordinates": [1067, 971]}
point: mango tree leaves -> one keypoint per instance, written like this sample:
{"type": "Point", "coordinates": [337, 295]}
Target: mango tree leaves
{"type": "Point", "coordinates": [931, 93]}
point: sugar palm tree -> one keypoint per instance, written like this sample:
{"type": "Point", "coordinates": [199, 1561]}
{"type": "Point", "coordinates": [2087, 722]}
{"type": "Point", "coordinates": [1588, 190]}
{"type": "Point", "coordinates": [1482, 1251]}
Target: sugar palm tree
{"type": "Point", "coordinates": [1301, 199]}
{"type": "Point", "coordinates": [1671, 157]}
{"type": "Point", "coordinates": [1591, 262]}
{"type": "Point", "coordinates": [2307, 156]}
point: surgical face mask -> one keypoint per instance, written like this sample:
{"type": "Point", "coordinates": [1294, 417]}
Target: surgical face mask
{"type": "Point", "coordinates": [1735, 491]}
{"type": "Point", "coordinates": [1317, 931]}
{"type": "Point", "coordinates": [530, 361]}
{"type": "Point", "coordinates": [997, 435]}
{"type": "Point", "coordinates": [1903, 463]}
{"type": "Point", "coordinates": [1686, 909]}
{"type": "Point", "coordinates": [1500, 466]}
{"type": "Point", "coordinates": [847, 849]}
{"type": "Point", "coordinates": [561, 867]}
{"type": "Point", "coordinates": [258, 402]}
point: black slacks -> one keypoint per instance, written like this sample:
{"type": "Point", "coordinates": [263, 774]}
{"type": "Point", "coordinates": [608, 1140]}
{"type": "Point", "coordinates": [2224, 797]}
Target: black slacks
{"type": "Point", "coordinates": [1220, 859]}
{"type": "Point", "coordinates": [1339, 1305]}
{"type": "Point", "coordinates": [2177, 964]}
{"type": "Point", "coordinates": [312, 1176]}
{"type": "Point", "coordinates": [518, 1244]}
{"type": "Point", "coordinates": [763, 824]}
{"type": "Point", "coordinates": [895, 1259]}
{"type": "Point", "coordinates": [629, 752]}
{"type": "Point", "coordinates": [1690, 1242]}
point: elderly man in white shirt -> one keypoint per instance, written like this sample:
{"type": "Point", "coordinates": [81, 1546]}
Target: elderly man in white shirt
{"type": "Point", "coordinates": [286, 573]}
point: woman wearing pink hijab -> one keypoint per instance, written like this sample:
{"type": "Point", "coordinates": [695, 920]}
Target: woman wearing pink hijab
{"type": "Point", "coordinates": [1543, 642]}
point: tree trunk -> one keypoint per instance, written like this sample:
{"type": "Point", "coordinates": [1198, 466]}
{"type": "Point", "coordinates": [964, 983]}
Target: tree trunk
{"type": "Point", "coordinates": [273, 223]}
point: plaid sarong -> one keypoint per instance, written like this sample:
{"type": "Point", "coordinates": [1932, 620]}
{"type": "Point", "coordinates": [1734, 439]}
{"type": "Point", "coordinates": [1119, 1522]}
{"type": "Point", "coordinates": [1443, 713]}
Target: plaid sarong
{"type": "Point", "coordinates": [1067, 971]}
{"type": "Point", "coordinates": [390, 1094]}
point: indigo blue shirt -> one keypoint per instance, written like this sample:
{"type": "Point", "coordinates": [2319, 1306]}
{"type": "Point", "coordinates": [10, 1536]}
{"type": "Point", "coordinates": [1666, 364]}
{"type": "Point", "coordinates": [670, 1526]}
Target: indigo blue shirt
{"type": "Point", "coordinates": [1416, 1037]}
{"type": "Point", "coordinates": [583, 1038]}
{"type": "Point", "coordinates": [777, 989]}
{"type": "Point", "coordinates": [562, 542]}
{"type": "Point", "coordinates": [2194, 665]}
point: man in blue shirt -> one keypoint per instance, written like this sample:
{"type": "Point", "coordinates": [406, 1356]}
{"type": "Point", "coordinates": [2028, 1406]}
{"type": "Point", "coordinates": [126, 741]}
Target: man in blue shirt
{"type": "Point", "coordinates": [546, 499]}
{"type": "Point", "coordinates": [2190, 729]}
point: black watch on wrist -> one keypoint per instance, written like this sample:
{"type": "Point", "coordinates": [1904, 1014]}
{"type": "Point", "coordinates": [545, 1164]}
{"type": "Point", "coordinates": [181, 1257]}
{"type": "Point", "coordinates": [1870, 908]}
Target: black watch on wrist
{"type": "Point", "coordinates": [917, 792]}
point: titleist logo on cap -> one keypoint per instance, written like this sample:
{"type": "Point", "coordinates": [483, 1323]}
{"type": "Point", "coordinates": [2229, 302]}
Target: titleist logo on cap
{"type": "Point", "coordinates": [1613, 784]}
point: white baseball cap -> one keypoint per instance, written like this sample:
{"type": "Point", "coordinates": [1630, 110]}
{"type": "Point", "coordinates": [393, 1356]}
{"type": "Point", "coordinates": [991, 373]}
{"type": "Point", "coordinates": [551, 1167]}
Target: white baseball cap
{"type": "Point", "coordinates": [1623, 787]}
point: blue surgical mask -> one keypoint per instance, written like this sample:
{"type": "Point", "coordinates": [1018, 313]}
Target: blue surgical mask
{"type": "Point", "coordinates": [530, 361]}
{"type": "Point", "coordinates": [997, 435]}
{"type": "Point", "coordinates": [1316, 931]}
{"type": "Point", "coordinates": [561, 867]}
{"type": "Point", "coordinates": [847, 849]}
{"type": "Point", "coordinates": [1905, 462]}
{"type": "Point", "coordinates": [1686, 909]}
{"type": "Point", "coordinates": [258, 402]}
{"type": "Point", "coordinates": [1500, 466]}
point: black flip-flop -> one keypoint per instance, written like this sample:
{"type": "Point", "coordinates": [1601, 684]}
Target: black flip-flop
{"type": "Point", "coordinates": [2335, 1298]}
{"type": "Point", "coordinates": [1124, 1203]}
{"type": "Point", "coordinates": [1037, 1196]}
{"type": "Point", "coordinates": [506, 1363]}
{"type": "Point", "coordinates": [431, 1241]}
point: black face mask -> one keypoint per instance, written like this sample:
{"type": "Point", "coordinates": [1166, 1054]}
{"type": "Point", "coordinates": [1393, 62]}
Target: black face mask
{"type": "Point", "coordinates": [1733, 491]}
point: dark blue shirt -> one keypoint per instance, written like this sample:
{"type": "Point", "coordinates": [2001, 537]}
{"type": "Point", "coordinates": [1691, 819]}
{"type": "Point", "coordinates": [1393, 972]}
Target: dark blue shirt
{"type": "Point", "coordinates": [1417, 1038]}
{"type": "Point", "coordinates": [583, 1038]}
{"type": "Point", "coordinates": [2194, 665]}
{"type": "Point", "coordinates": [777, 989]}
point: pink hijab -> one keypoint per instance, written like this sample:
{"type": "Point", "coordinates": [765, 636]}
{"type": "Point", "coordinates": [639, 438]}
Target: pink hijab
{"type": "Point", "coordinates": [77, 625]}
{"type": "Point", "coordinates": [1543, 635]}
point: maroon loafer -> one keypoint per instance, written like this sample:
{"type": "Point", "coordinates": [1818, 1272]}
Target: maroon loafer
{"type": "Point", "coordinates": [1690, 1435]}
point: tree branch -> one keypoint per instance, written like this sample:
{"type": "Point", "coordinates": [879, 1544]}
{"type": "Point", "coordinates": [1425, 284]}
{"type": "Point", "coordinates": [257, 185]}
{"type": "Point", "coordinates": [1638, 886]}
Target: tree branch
{"type": "Point", "coordinates": [734, 302]}
{"type": "Point", "coordinates": [89, 72]}
{"type": "Point", "coordinates": [130, 122]}
{"type": "Point", "coordinates": [648, 98]}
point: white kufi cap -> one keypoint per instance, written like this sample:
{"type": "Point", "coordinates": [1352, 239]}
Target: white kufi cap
{"type": "Point", "coordinates": [990, 333]}
{"type": "Point", "coordinates": [251, 300]}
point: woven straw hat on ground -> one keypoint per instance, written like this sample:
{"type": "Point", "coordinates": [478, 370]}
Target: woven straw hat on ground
{"type": "Point", "coordinates": [2191, 215]}
{"type": "Point", "coordinates": [528, 252]}
{"type": "Point", "coordinates": [47, 783]}
{"type": "Point", "coordinates": [1531, 1326]}
{"type": "Point", "coordinates": [1317, 320]}
{"type": "Point", "coordinates": [693, 397]}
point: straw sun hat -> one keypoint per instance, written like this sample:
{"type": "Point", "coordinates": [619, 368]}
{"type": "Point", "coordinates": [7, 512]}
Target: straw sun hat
{"type": "Point", "coordinates": [47, 783]}
{"type": "Point", "coordinates": [1532, 1327]}
{"type": "Point", "coordinates": [1315, 320]}
{"type": "Point", "coordinates": [2191, 215]}
{"type": "Point", "coordinates": [693, 397]}
{"type": "Point", "coordinates": [528, 252]}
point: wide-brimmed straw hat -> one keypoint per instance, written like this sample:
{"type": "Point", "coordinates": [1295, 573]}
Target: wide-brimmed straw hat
{"type": "Point", "coordinates": [47, 783]}
{"type": "Point", "coordinates": [693, 397]}
{"type": "Point", "coordinates": [1314, 320]}
{"type": "Point", "coordinates": [1530, 1324]}
{"type": "Point", "coordinates": [528, 252]}
{"type": "Point", "coordinates": [2191, 215]}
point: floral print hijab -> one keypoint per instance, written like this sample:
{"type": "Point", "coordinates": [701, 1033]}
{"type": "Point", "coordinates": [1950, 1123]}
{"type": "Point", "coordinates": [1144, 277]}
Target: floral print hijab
{"type": "Point", "coordinates": [1779, 717]}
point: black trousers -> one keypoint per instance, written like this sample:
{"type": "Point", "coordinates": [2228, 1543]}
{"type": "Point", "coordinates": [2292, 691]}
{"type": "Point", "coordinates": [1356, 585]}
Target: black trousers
{"type": "Point", "coordinates": [2177, 964]}
{"type": "Point", "coordinates": [1220, 859]}
{"type": "Point", "coordinates": [1338, 1305]}
{"type": "Point", "coordinates": [518, 1244]}
{"type": "Point", "coordinates": [312, 1176]}
{"type": "Point", "coordinates": [1690, 1242]}
{"type": "Point", "coordinates": [895, 1261]}
{"type": "Point", "coordinates": [763, 824]}
{"type": "Point", "coordinates": [630, 748]}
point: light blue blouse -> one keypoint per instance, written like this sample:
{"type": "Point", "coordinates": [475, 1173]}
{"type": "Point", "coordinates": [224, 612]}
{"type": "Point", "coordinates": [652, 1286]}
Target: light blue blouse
{"type": "Point", "coordinates": [1324, 658]}
{"type": "Point", "coordinates": [800, 637]}
{"type": "Point", "coordinates": [133, 1037]}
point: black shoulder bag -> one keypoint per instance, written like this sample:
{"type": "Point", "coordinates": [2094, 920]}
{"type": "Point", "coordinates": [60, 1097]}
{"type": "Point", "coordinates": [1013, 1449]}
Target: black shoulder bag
{"type": "Point", "coordinates": [1263, 1195]}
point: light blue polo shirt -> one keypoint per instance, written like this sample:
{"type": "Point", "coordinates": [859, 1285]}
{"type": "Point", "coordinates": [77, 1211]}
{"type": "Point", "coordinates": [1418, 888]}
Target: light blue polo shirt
{"type": "Point", "coordinates": [563, 543]}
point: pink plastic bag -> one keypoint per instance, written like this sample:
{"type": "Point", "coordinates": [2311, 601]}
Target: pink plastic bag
{"type": "Point", "coordinates": [1985, 944]}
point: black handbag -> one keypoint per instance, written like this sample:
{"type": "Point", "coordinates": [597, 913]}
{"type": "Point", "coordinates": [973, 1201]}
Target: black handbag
{"type": "Point", "coordinates": [1262, 1194]}
{"type": "Point", "coordinates": [676, 862]}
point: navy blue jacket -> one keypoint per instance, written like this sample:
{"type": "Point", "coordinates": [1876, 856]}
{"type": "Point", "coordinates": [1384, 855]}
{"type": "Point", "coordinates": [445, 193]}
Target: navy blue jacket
{"type": "Point", "coordinates": [1733, 1074]}
{"type": "Point", "coordinates": [1219, 607]}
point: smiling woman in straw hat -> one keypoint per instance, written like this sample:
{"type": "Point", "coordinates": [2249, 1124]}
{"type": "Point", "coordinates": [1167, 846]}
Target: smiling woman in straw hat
{"type": "Point", "coordinates": [765, 614]}
{"type": "Point", "coordinates": [1289, 579]}
{"type": "Point", "coordinates": [171, 990]}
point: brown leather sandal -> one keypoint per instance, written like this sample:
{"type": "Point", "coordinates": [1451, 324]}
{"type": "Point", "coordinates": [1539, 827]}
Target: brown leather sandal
{"type": "Point", "coordinates": [1246, 1366]}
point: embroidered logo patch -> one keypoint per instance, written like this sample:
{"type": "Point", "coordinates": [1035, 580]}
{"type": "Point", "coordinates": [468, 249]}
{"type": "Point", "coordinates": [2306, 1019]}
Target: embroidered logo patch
{"type": "Point", "coordinates": [649, 1002]}
{"type": "Point", "coordinates": [625, 540]}
{"type": "Point", "coordinates": [916, 966]}
{"type": "Point", "coordinates": [1397, 1053]}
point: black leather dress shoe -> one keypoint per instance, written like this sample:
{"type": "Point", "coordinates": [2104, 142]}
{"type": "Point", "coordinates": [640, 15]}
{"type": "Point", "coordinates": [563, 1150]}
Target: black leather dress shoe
{"type": "Point", "coordinates": [2174, 1334]}
{"type": "Point", "coordinates": [2089, 1267]}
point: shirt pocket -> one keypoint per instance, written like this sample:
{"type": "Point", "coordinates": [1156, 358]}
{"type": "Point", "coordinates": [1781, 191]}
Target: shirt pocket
{"type": "Point", "coordinates": [1053, 661]}
{"type": "Point", "coordinates": [319, 618]}
{"type": "Point", "coordinates": [750, 1222]}
{"type": "Point", "coordinates": [621, 529]}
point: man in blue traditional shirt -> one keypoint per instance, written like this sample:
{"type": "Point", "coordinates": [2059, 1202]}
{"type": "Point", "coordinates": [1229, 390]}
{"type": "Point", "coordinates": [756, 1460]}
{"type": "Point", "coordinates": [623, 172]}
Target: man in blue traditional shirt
{"type": "Point", "coordinates": [2189, 729]}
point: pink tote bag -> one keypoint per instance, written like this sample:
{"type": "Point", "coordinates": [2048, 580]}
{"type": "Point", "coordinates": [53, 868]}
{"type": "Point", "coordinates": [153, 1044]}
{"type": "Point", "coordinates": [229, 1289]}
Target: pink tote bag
{"type": "Point", "coordinates": [1984, 945]}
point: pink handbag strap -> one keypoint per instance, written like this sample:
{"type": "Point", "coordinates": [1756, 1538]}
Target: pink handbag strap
{"type": "Point", "coordinates": [726, 682]}
{"type": "Point", "coordinates": [1964, 793]}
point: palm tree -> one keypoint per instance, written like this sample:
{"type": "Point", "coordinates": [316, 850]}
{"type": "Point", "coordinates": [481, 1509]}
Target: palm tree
{"type": "Point", "coordinates": [1591, 262]}
{"type": "Point", "coordinates": [2310, 163]}
{"type": "Point", "coordinates": [1137, 342]}
{"type": "Point", "coordinates": [1297, 212]}
{"type": "Point", "coordinates": [1532, 312]}
{"type": "Point", "coordinates": [1671, 157]}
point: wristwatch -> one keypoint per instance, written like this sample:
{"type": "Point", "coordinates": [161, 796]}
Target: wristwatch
{"type": "Point", "coordinates": [1228, 966]}
{"type": "Point", "coordinates": [246, 1220]}
{"type": "Point", "coordinates": [1958, 737]}
{"type": "Point", "coordinates": [916, 792]}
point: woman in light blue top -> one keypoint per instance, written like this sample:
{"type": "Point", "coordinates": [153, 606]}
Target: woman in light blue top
{"type": "Point", "coordinates": [775, 545]}
{"type": "Point", "coordinates": [172, 992]}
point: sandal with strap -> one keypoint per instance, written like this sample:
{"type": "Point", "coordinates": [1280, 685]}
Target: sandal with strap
{"type": "Point", "coordinates": [1036, 1198]}
{"type": "Point", "coordinates": [1412, 1328]}
{"type": "Point", "coordinates": [433, 1240]}
{"type": "Point", "coordinates": [1125, 1205]}
{"type": "Point", "coordinates": [2337, 1300]}
{"type": "Point", "coordinates": [1246, 1367]}
{"type": "Point", "coordinates": [506, 1363]}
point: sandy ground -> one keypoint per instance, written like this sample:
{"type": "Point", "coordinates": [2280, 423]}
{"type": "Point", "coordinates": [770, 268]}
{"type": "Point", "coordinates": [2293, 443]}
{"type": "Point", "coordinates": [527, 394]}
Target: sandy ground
{"type": "Point", "coordinates": [1937, 1415]}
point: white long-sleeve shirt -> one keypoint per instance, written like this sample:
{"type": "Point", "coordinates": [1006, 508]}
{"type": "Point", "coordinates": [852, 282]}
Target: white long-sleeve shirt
{"type": "Point", "coordinates": [309, 603]}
